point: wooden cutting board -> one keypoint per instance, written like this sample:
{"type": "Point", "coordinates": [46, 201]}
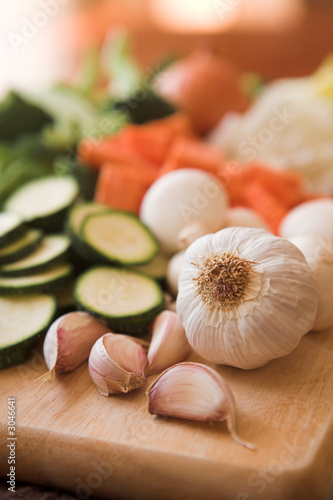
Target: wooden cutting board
{"type": "Point", "coordinates": [71, 437]}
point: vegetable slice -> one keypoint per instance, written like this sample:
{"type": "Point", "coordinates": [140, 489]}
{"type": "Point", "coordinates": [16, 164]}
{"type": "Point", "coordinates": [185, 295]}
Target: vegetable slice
{"type": "Point", "coordinates": [22, 320]}
{"type": "Point", "coordinates": [44, 201]}
{"type": "Point", "coordinates": [21, 247]}
{"type": "Point", "coordinates": [156, 268]}
{"type": "Point", "coordinates": [11, 225]}
{"type": "Point", "coordinates": [45, 282]}
{"type": "Point", "coordinates": [119, 237]}
{"type": "Point", "coordinates": [51, 250]}
{"type": "Point", "coordinates": [127, 300]}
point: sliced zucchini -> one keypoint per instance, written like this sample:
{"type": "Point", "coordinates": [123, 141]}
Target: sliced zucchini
{"type": "Point", "coordinates": [76, 216]}
{"type": "Point", "coordinates": [11, 226]}
{"type": "Point", "coordinates": [65, 299]}
{"type": "Point", "coordinates": [45, 282]}
{"type": "Point", "coordinates": [22, 321]}
{"type": "Point", "coordinates": [126, 300]}
{"type": "Point", "coordinates": [44, 201]}
{"type": "Point", "coordinates": [119, 238]}
{"type": "Point", "coordinates": [157, 268]}
{"type": "Point", "coordinates": [52, 249]}
{"type": "Point", "coordinates": [21, 247]}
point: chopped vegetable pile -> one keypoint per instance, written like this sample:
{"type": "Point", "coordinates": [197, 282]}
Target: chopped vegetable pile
{"type": "Point", "coordinates": [121, 203]}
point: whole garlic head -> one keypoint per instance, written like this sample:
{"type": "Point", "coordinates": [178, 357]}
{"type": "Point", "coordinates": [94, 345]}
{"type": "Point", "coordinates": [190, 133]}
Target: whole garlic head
{"type": "Point", "coordinates": [245, 297]}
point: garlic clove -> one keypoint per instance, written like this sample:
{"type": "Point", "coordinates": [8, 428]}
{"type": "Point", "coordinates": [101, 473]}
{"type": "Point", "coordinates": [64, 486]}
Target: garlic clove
{"type": "Point", "coordinates": [68, 342]}
{"type": "Point", "coordinates": [168, 345]}
{"type": "Point", "coordinates": [117, 364]}
{"type": "Point", "coordinates": [194, 391]}
{"type": "Point", "coordinates": [190, 233]}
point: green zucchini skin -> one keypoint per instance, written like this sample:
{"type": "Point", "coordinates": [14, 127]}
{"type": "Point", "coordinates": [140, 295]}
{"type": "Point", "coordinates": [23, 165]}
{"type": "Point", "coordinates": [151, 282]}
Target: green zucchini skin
{"type": "Point", "coordinates": [15, 354]}
{"type": "Point", "coordinates": [19, 353]}
{"type": "Point", "coordinates": [22, 252]}
{"type": "Point", "coordinates": [13, 234]}
{"type": "Point", "coordinates": [38, 268]}
{"type": "Point", "coordinates": [45, 287]}
{"type": "Point", "coordinates": [132, 324]}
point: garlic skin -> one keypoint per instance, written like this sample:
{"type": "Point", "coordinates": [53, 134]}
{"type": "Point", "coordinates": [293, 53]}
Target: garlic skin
{"type": "Point", "coordinates": [69, 340]}
{"type": "Point", "coordinates": [319, 255]}
{"type": "Point", "coordinates": [117, 364]}
{"type": "Point", "coordinates": [245, 297]}
{"type": "Point", "coordinates": [244, 217]}
{"type": "Point", "coordinates": [168, 344]}
{"type": "Point", "coordinates": [194, 391]}
{"type": "Point", "coordinates": [173, 272]}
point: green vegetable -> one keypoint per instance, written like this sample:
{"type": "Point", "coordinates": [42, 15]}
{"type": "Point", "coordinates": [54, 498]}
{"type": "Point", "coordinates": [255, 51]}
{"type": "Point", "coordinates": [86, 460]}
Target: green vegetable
{"type": "Point", "coordinates": [119, 238]}
{"type": "Point", "coordinates": [126, 300]}
{"type": "Point", "coordinates": [21, 247]}
{"type": "Point", "coordinates": [52, 249]}
{"type": "Point", "coordinates": [22, 321]}
{"type": "Point", "coordinates": [19, 116]}
{"type": "Point", "coordinates": [11, 226]}
{"type": "Point", "coordinates": [48, 281]}
{"type": "Point", "coordinates": [44, 201]}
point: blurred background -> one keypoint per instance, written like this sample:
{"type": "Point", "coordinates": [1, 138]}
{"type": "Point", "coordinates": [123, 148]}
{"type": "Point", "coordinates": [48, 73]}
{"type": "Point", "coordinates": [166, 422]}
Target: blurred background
{"type": "Point", "coordinates": [43, 40]}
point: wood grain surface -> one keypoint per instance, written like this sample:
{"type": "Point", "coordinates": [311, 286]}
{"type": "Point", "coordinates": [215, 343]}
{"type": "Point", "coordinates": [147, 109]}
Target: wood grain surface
{"type": "Point", "coordinates": [71, 437]}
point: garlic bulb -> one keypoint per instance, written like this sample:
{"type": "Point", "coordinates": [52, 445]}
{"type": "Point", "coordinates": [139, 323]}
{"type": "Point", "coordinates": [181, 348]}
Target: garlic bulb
{"type": "Point", "coordinates": [173, 271]}
{"type": "Point", "coordinates": [194, 391]}
{"type": "Point", "coordinates": [117, 364]}
{"type": "Point", "coordinates": [319, 255]}
{"type": "Point", "coordinates": [244, 217]}
{"type": "Point", "coordinates": [168, 344]}
{"type": "Point", "coordinates": [313, 217]}
{"type": "Point", "coordinates": [191, 233]}
{"type": "Point", "coordinates": [245, 297]}
{"type": "Point", "coordinates": [68, 342]}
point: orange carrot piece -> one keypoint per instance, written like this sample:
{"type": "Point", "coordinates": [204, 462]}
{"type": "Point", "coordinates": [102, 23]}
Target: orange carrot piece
{"type": "Point", "coordinates": [191, 153]}
{"type": "Point", "coordinates": [285, 185]}
{"type": "Point", "coordinates": [121, 187]}
{"type": "Point", "coordinates": [265, 204]}
{"type": "Point", "coordinates": [109, 149]}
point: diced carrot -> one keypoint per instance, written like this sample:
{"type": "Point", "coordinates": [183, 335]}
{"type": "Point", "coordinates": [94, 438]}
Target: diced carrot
{"type": "Point", "coordinates": [109, 149]}
{"type": "Point", "coordinates": [265, 204]}
{"type": "Point", "coordinates": [285, 185]}
{"type": "Point", "coordinates": [191, 153]}
{"type": "Point", "coordinates": [121, 187]}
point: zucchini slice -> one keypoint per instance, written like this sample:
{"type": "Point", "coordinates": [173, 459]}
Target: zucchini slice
{"type": "Point", "coordinates": [119, 238]}
{"type": "Point", "coordinates": [65, 299]}
{"type": "Point", "coordinates": [77, 214]}
{"type": "Point", "coordinates": [22, 321]}
{"type": "Point", "coordinates": [52, 249]}
{"type": "Point", "coordinates": [21, 247]}
{"type": "Point", "coordinates": [157, 268]}
{"type": "Point", "coordinates": [45, 282]}
{"type": "Point", "coordinates": [44, 201]}
{"type": "Point", "coordinates": [11, 226]}
{"type": "Point", "coordinates": [126, 300]}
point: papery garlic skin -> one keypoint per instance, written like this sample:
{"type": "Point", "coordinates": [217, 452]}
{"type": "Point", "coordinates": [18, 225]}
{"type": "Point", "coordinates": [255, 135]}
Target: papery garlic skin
{"type": "Point", "coordinates": [311, 218]}
{"type": "Point", "coordinates": [117, 364]}
{"type": "Point", "coordinates": [168, 345]}
{"type": "Point", "coordinates": [277, 305]}
{"type": "Point", "coordinates": [69, 340]}
{"type": "Point", "coordinates": [319, 255]}
{"type": "Point", "coordinates": [190, 233]}
{"type": "Point", "coordinates": [193, 391]}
